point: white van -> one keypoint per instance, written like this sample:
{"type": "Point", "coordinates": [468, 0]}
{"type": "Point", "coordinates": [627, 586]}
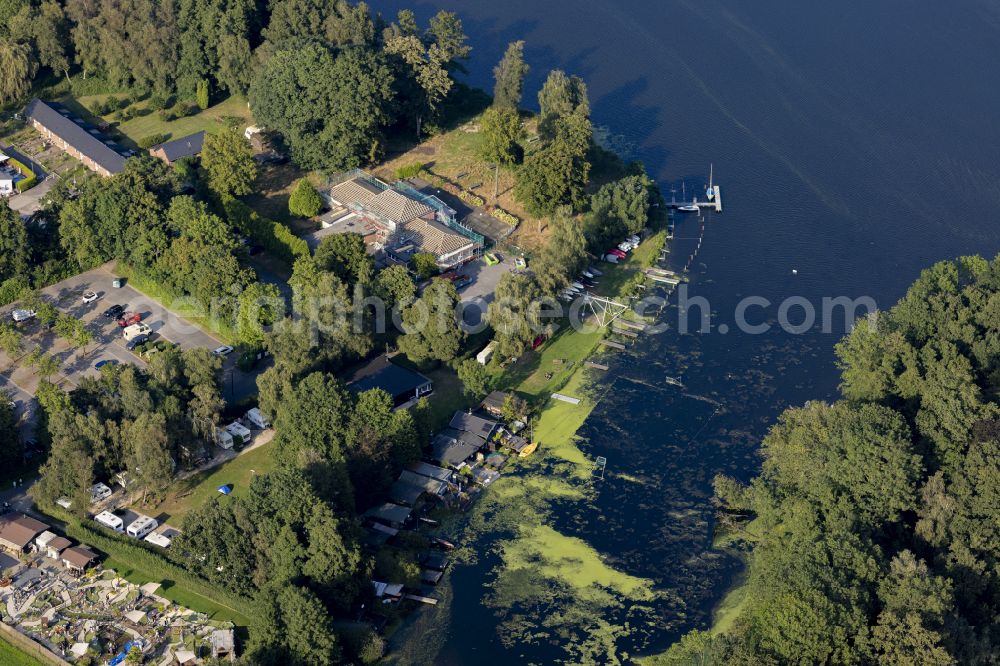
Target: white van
{"type": "Point", "coordinates": [142, 526]}
{"type": "Point", "coordinates": [256, 419]}
{"type": "Point", "coordinates": [99, 492]}
{"type": "Point", "coordinates": [110, 520]}
{"type": "Point", "coordinates": [135, 330]}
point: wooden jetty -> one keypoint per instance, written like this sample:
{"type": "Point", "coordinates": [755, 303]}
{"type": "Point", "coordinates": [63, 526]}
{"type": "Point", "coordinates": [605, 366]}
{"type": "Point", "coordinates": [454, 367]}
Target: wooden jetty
{"type": "Point", "coordinates": [663, 278]}
{"type": "Point", "coordinates": [623, 331]}
{"type": "Point", "coordinates": [715, 203]}
{"type": "Point", "coordinates": [612, 344]}
{"type": "Point", "coordinates": [636, 325]}
{"type": "Point", "coordinates": [655, 270]}
{"type": "Point", "coordinates": [566, 398]}
{"type": "Point", "coordinates": [424, 600]}
{"type": "Point", "coordinates": [596, 366]}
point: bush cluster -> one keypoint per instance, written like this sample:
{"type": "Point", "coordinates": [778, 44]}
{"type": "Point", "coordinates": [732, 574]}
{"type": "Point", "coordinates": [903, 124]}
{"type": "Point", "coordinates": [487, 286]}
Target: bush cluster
{"type": "Point", "coordinates": [274, 236]}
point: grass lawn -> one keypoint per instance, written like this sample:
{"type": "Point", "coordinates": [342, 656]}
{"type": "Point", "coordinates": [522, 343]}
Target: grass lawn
{"type": "Point", "coordinates": [191, 493]}
{"type": "Point", "coordinates": [209, 120]}
{"type": "Point", "coordinates": [447, 397]}
{"type": "Point", "coordinates": [12, 656]}
{"type": "Point", "coordinates": [177, 593]}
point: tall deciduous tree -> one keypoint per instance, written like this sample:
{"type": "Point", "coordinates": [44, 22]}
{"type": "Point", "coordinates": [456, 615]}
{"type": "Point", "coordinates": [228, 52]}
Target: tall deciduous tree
{"type": "Point", "coordinates": [17, 68]}
{"type": "Point", "coordinates": [150, 462]}
{"type": "Point", "coordinates": [509, 75]}
{"type": "Point", "coordinates": [15, 254]}
{"type": "Point", "coordinates": [432, 326]}
{"type": "Point", "coordinates": [346, 256]}
{"type": "Point", "coordinates": [556, 173]}
{"type": "Point", "coordinates": [560, 97]}
{"type": "Point", "coordinates": [228, 160]}
{"type": "Point", "coordinates": [516, 314]}
{"type": "Point", "coordinates": [501, 135]}
{"type": "Point", "coordinates": [428, 67]}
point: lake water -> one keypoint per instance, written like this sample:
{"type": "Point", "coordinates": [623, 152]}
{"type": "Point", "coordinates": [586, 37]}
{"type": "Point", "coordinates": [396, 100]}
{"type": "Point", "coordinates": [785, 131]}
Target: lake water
{"type": "Point", "coordinates": [855, 144]}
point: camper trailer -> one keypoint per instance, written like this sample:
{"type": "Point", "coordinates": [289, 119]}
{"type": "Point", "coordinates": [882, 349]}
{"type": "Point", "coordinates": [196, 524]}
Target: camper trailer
{"type": "Point", "coordinates": [141, 526]}
{"type": "Point", "coordinates": [99, 492]}
{"type": "Point", "coordinates": [256, 419]}
{"type": "Point", "coordinates": [223, 439]}
{"type": "Point", "coordinates": [240, 433]}
{"type": "Point", "coordinates": [486, 354]}
{"type": "Point", "coordinates": [110, 520]}
{"type": "Point", "coordinates": [160, 540]}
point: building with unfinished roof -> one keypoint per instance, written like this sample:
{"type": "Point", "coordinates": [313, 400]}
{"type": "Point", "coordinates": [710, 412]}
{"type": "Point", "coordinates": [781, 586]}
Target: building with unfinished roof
{"type": "Point", "coordinates": [402, 220]}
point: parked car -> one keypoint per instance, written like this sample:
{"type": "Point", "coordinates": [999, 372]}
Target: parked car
{"type": "Point", "coordinates": [618, 253]}
{"type": "Point", "coordinates": [89, 296]}
{"type": "Point", "coordinates": [128, 319]}
{"type": "Point", "coordinates": [135, 330]}
{"type": "Point", "coordinates": [521, 263]}
{"type": "Point", "coordinates": [136, 341]}
{"type": "Point", "coordinates": [107, 361]}
{"type": "Point", "coordinates": [114, 311]}
{"type": "Point", "coordinates": [224, 350]}
{"type": "Point", "coordinates": [23, 315]}
{"type": "Point", "coordinates": [492, 258]}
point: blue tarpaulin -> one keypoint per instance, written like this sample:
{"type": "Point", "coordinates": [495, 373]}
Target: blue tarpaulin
{"type": "Point", "coordinates": [226, 489]}
{"type": "Point", "coordinates": [120, 657]}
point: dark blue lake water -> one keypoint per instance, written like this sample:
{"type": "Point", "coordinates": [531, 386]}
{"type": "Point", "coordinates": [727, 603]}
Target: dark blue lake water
{"type": "Point", "coordinates": [855, 143]}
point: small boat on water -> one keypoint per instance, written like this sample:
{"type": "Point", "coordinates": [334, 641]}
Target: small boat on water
{"type": "Point", "coordinates": [689, 208]}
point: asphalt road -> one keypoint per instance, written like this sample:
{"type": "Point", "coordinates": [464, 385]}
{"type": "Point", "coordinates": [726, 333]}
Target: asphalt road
{"type": "Point", "coordinates": [477, 296]}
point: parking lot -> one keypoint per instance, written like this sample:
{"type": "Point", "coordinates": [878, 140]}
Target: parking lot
{"type": "Point", "coordinates": [477, 296]}
{"type": "Point", "coordinates": [108, 343]}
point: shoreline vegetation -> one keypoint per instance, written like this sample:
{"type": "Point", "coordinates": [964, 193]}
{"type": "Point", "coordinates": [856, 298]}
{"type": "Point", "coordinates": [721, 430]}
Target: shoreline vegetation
{"type": "Point", "coordinates": [512, 522]}
{"type": "Point", "coordinates": [289, 558]}
{"type": "Point", "coordinates": [870, 531]}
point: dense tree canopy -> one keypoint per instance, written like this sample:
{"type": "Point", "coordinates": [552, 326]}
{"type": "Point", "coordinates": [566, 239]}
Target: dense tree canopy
{"type": "Point", "coordinates": [556, 172]}
{"type": "Point", "coordinates": [876, 537]}
{"type": "Point", "coordinates": [228, 160]}
{"type": "Point", "coordinates": [431, 324]}
{"type": "Point", "coordinates": [330, 108]}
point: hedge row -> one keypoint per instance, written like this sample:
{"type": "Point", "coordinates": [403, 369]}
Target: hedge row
{"type": "Point", "coordinates": [137, 553]}
{"type": "Point", "coordinates": [30, 177]}
{"type": "Point", "coordinates": [274, 236]}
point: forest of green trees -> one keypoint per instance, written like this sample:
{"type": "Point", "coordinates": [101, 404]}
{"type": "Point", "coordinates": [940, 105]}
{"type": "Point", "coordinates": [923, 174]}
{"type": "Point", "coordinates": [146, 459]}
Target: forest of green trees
{"type": "Point", "coordinates": [875, 519]}
{"type": "Point", "coordinates": [335, 82]}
